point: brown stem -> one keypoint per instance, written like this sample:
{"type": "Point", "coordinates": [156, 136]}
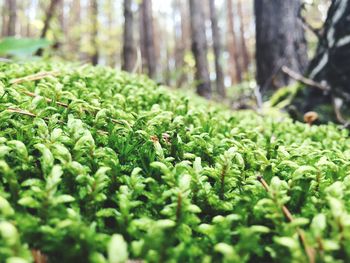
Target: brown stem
{"type": "Point", "coordinates": [38, 257]}
{"type": "Point", "coordinates": [27, 113]}
{"type": "Point", "coordinates": [310, 252]}
{"type": "Point", "coordinates": [28, 93]}
{"type": "Point", "coordinates": [179, 206]}
{"type": "Point", "coordinates": [222, 181]}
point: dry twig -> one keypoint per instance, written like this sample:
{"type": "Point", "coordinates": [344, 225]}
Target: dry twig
{"type": "Point", "coordinates": [294, 75]}
{"type": "Point", "coordinates": [35, 76]}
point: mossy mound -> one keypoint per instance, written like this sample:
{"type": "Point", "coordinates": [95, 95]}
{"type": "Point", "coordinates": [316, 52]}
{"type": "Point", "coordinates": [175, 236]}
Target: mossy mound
{"type": "Point", "coordinates": [103, 166]}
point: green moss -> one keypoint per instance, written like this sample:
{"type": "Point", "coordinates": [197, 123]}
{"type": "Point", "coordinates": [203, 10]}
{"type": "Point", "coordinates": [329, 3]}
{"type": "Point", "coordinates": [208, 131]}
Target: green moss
{"type": "Point", "coordinates": [101, 166]}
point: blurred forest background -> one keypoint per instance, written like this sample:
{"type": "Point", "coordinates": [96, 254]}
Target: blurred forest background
{"type": "Point", "coordinates": [243, 52]}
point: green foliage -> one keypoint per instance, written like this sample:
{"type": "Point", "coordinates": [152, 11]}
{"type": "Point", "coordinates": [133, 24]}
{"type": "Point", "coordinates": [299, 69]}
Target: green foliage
{"type": "Point", "coordinates": [102, 166]}
{"type": "Point", "coordinates": [21, 47]}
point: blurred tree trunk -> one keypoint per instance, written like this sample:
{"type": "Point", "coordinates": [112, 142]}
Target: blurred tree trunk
{"type": "Point", "coordinates": [94, 31]}
{"type": "Point", "coordinates": [49, 14]}
{"type": "Point", "coordinates": [331, 64]}
{"type": "Point", "coordinates": [12, 17]}
{"type": "Point", "coordinates": [74, 20]}
{"type": "Point", "coordinates": [167, 78]}
{"type": "Point", "coordinates": [159, 42]}
{"type": "Point", "coordinates": [128, 37]}
{"type": "Point", "coordinates": [217, 46]}
{"type": "Point", "coordinates": [199, 48]}
{"type": "Point", "coordinates": [245, 54]}
{"type": "Point", "coordinates": [62, 18]}
{"type": "Point", "coordinates": [27, 19]}
{"type": "Point", "coordinates": [180, 17]}
{"type": "Point", "coordinates": [4, 19]}
{"type": "Point", "coordinates": [236, 71]}
{"type": "Point", "coordinates": [280, 41]}
{"type": "Point", "coordinates": [179, 45]}
{"type": "Point", "coordinates": [148, 38]}
{"type": "Point", "coordinates": [112, 54]}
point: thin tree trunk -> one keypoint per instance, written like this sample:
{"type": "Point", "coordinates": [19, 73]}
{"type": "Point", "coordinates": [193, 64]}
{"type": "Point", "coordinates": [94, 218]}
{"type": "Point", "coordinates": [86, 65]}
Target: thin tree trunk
{"type": "Point", "coordinates": [233, 46]}
{"type": "Point", "coordinates": [4, 12]}
{"type": "Point", "coordinates": [280, 41]}
{"type": "Point", "coordinates": [148, 38]}
{"type": "Point", "coordinates": [112, 56]}
{"type": "Point", "coordinates": [217, 46]}
{"type": "Point", "coordinates": [11, 27]}
{"type": "Point", "coordinates": [74, 21]}
{"type": "Point", "coordinates": [199, 48]}
{"type": "Point", "coordinates": [182, 33]}
{"type": "Point", "coordinates": [94, 31]}
{"type": "Point", "coordinates": [179, 45]}
{"type": "Point", "coordinates": [167, 67]}
{"type": "Point", "coordinates": [49, 14]}
{"type": "Point", "coordinates": [244, 49]}
{"type": "Point", "coordinates": [142, 44]}
{"type": "Point", "coordinates": [62, 17]}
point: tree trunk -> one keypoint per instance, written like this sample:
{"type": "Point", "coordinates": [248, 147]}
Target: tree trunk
{"type": "Point", "coordinates": [74, 20]}
{"type": "Point", "coordinates": [12, 13]}
{"type": "Point", "coordinates": [236, 71]}
{"type": "Point", "coordinates": [49, 14]}
{"type": "Point", "coordinates": [182, 32]}
{"type": "Point", "coordinates": [112, 55]}
{"type": "Point", "coordinates": [179, 45]}
{"type": "Point", "coordinates": [4, 13]}
{"type": "Point", "coordinates": [148, 38]}
{"type": "Point", "coordinates": [331, 64]}
{"type": "Point", "coordinates": [199, 48]}
{"type": "Point", "coordinates": [128, 37]}
{"type": "Point", "coordinates": [94, 31]}
{"type": "Point", "coordinates": [244, 49]}
{"type": "Point", "coordinates": [280, 41]}
{"type": "Point", "coordinates": [62, 18]}
{"type": "Point", "coordinates": [217, 46]}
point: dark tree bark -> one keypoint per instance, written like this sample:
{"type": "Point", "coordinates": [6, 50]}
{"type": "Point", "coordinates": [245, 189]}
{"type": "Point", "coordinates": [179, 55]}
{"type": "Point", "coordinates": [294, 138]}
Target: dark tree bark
{"type": "Point", "coordinates": [245, 55]}
{"type": "Point", "coordinates": [280, 41]}
{"type": "Point", "coordinates": [199, 48]}
{"type": "Point", "coordinates": [331, 64]}
{"type": "Point", "coordinates": [94, 31]}
{"type": "Point", "coordinates": [128, 37]}
{"type": "Point", "coordinates": [147, 36]}
{"type": "Point", "coordinates": [217, 46]}
{"type": "Point", "coordinates": [49, 14]}
{"type": "Point", "coordinates": [236, 72]}
{"type": "Point", "coordinates": [12, 17]}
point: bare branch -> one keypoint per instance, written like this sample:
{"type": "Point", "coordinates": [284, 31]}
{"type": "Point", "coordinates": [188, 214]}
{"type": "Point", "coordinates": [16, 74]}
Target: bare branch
{"type": "Point", "coordinates": [36, 76]}
{"type": "Point", "coordinates": [294, 75]}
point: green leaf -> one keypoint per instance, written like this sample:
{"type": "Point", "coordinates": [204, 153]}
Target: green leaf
{"type": "Point", "coordinates": [117, 249]}
{"type": "Point", "coordinates": [28, 201]}
{"type": "Point", "coordinates": [318, 224]}
{"type": "Point", "coordinates": [22, 47]}
{"type": "Point", "coordinates": [289, 242]}
{"type": "Point", "coordinates": [64, 199]}
{"type": "Point", "coordinates": [5, 207]}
